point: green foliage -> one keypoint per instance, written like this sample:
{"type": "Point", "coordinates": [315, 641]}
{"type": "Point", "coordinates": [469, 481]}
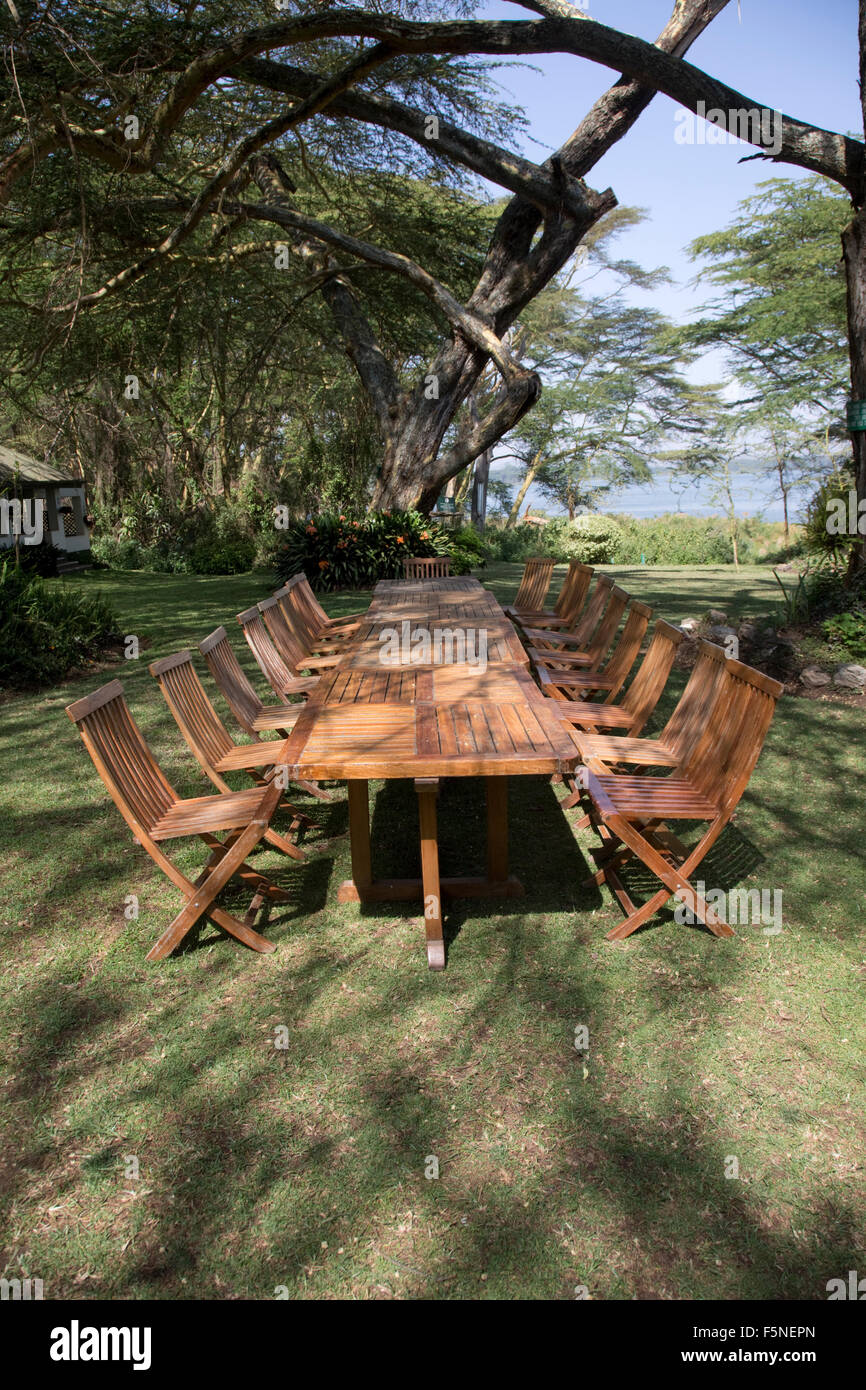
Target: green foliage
{"type": "Point", "coordinates": [39, 559]}
{"type": "Point", "coordinates": [819, 541]}
{"type": "Point", "coordinates": [780, 315]}
{"type": "Point", "coordinates": [153, 535]}
{"type": "Point", "coordinates": [222, 556]}
{"type": "Point", "coordinates": [46, 631]}
{"type": "Point", "coordinates": [675, 539]}
{"type": "Point", "coordinates": [336, 552]}
{"type": "Point", "coordinates": [847, 631]}
{"type": "Point", "coordinates": [468, 550]}
{"type": "Point", "coordinates": [595, 539]}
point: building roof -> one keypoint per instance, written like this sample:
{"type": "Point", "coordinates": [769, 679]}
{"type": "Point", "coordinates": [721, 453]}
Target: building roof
{"type": "Point", "coordinates": [14, 464]}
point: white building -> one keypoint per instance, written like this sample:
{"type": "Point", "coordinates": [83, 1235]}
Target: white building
{"type": "Point", "coordinates": [64, 509]}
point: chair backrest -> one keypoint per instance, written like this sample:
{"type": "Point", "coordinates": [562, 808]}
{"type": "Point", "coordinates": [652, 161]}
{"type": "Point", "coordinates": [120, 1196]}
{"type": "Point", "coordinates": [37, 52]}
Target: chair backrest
{"type": "Point", "coordinates": [289, 631]}
{"type": "Point", "coordinates": [270, 663]}
{"type": "Point", "coordinates": [588, 621]}
{"type": "Point", "coordinates": [537, 574]}
{"type": "Point", "coordinates": [229, 675]}
{"type": "Point", "coordinates": [303, 614]}
{"type": "Point", "coordinates": [135, 781]}
{"type": "Point", "coordinates": [306, 589]}
{"type": "Point", "coordinates": [198, 721]}
{"type": "Point", "coordinates": [575, 587]}
{"type": "Point", "coordinates": [426, 567]}
{"type": "Point", "coordinates": [651, 676]}
{"type": "Point", "coordinates": [606, 630]}
{"type": "Point", "coordinates": [626, 650]}
{"type": "Point", "coordinates": [697, 702]}
{"type": "Point", "coordinates": [722, 760]}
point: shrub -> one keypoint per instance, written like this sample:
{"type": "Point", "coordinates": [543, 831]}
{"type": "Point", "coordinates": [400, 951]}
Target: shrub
{"type": "Point", "coordinates": [39, 559]}
{"type": "Point", "coordinates": [217, 556]}
{"type": "Point", "coordinates": [674, 539]}
{"type": "Point", "coordinates": [45, 631]}
{"type": "Point", "coordinates": [468, 550]}
{"type": "Point", "coordinates": [847, 632]}
{"type": "Point", "coordinates": [335, 552]}
{"type": "Point", "coordinates": [594, 539]}
{"type": "Point", "coordinates": [818, 540]}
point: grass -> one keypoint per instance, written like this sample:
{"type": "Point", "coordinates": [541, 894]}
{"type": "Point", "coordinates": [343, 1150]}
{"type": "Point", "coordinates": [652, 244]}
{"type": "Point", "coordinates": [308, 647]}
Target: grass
{"type": "Point", "coordinates": [154, 1142]}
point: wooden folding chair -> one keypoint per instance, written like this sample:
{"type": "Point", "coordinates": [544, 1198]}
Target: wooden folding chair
{"type": "Point", "coordinates": [630, 813]}
{"type": "Point", "coordinates": [211, 744]}
{"type": "Point", "coordinates": [427, 567]}
{"type": "Point", "coordinates": [155, 813]}
{"type": "Point", "coordinates": [704, 689]}
{"type": "Point", "coordinates": [290, 634]}
{"type": "Point", "coordinates": [253, 716]}
{"type": "Point", "coordinates": [298, 600]}
{"type": "Point", "coordinates": [569, 603]}
{"type": "Point", "coordinates": [326, 623]}
{"type": "Point", "coordinates": [537, 574]}
{"type": "Point", "coordinates": [279, 676]}
{"type": "Point", "coordinates": [584, 625]}
{"type": "Point", "coordinates": [639, 701]}
{"type": "Point", "coordinates": [575, 685]}
{"type": "Point", "coordinates": [570, 651]}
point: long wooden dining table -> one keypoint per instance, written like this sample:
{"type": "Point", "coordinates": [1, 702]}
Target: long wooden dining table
{"type": "Point", "coordinates": [470, 709]}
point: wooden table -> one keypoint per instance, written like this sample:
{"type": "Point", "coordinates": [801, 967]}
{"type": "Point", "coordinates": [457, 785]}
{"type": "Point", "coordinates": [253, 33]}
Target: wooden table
{"type": "Point", "coordinates": [371, 718]}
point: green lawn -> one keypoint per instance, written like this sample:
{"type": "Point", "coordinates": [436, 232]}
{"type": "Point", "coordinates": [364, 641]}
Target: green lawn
{"type": "Point", "coordinates": [304, 1167]}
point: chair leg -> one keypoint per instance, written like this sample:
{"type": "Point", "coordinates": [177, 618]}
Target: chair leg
{"type": "Point", "coordinates": [280, 842]}
{"type": "Point", "coordinates": [254, 878]}
{"type": "Point", "coordinates": [674, 878]}
{"type": "Point", "coordinates": [200, 900]}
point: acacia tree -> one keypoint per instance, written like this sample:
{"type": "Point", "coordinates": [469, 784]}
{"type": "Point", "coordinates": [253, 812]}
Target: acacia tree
{"type": "Point", "coordinates": [82, 105]}
{"type": "Point", "coordinates": [128, 91]}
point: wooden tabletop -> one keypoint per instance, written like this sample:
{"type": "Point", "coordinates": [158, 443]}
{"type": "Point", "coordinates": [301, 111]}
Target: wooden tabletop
{"type": "Point", "coordinates": [382, 713]}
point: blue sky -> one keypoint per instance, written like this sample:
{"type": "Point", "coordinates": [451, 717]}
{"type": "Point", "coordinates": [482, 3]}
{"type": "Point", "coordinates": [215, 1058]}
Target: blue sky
{"type": "Point", "coordinates": [793, 55]}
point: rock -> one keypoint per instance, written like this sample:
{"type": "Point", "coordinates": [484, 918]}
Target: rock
{"type": "Point", "coordinates": [721, 633]}
{"type": "Point", "coordinates": [850, 677]}
{"type": "Point", "coordinates": [689, 626]}
{"type": "Point", "coordinates": [814, 676]}
{"type": "Point", "coordinates": [747, 631]}
{"type": "Point", "coordinates": [716, 615]}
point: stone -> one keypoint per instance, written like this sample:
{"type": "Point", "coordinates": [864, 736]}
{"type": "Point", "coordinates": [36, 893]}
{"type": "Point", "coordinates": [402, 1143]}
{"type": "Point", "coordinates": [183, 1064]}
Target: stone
{"type": "Point", "coordinates": [721, 633]}
{"type": "Point", "coordinates": [814, 676]}
{"type": "Point", "coordinates": [747, 631]}
{"type": "Point", "coordinates": [850, 677]}
{"type": "Point", "coordinates": [716, 615]}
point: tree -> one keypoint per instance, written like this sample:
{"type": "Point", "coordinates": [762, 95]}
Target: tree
{"type": "Point", "coordinates": [613, 384]}
{"type": "Point", "coordinates": [711, 462]}
{"type": "Point", "coordinates": [183, 105]}
{"type": "Point", "coordinates": [789, 452]}
{"type": "Point", "coordinates": [78, 118]}
{"type": "Point", "coordinates": [780, 313]}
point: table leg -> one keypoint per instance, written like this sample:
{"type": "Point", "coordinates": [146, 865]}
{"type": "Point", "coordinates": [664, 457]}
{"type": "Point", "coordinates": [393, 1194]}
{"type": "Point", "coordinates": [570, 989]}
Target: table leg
{"type": "Point", "coordinates": [428, 789]}
{"type": "Point", "coordinates": [359, 834]}
{"type": "Point", "coordinates": [497, 828]}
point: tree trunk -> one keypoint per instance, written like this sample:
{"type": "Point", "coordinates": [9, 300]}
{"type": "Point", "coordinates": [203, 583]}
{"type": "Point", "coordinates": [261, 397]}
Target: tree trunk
{"type": "Point", "coordinates": [480, 480]}
{"type": "Point", "coordinates": [784, 491]}
{"type": "Point", "coordinates": [528, 480]}
{"type": "Point", "coordinates": [854, 250]}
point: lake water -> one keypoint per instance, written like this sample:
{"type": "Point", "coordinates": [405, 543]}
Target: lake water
{"type": "Point", "coordinates": [754, 496]}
